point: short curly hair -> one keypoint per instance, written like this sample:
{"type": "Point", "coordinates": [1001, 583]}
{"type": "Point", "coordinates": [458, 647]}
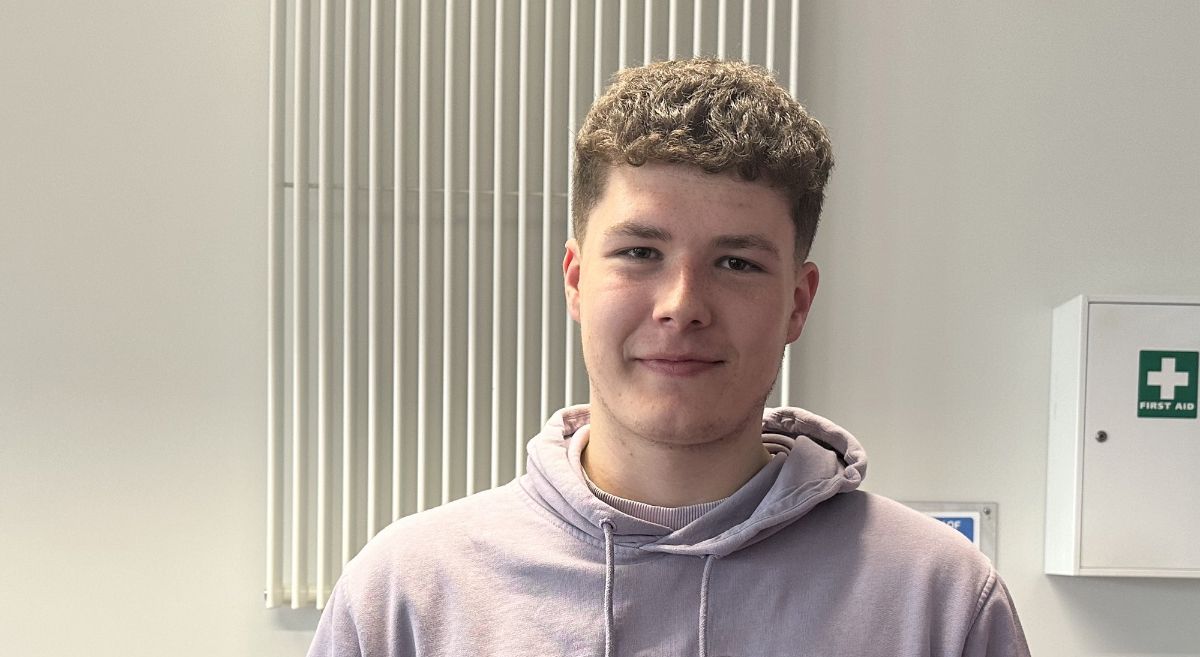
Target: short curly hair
{"type": "Point", "coordinates": [717, 115]}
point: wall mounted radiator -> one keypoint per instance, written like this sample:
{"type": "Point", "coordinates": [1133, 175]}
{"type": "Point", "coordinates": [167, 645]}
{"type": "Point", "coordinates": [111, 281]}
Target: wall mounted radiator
{"type": "Point", "coordinates": [419, 161]}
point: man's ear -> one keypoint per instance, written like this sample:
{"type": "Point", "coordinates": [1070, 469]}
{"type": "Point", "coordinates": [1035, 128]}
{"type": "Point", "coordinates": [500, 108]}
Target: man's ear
{"type": "Point", "coordinates": [571, 277]}
{"type": "Point", "coordinates": [807, 277]}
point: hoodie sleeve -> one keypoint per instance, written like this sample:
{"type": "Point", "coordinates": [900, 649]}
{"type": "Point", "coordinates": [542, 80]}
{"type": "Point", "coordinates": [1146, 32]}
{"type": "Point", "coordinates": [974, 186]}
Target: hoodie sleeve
{"type": "Point", "coordinates": [996, 631]}
{"type": "Point", "coordinates": [337, 633]}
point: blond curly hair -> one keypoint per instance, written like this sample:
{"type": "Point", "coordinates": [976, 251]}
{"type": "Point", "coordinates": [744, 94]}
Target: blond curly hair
{"type": "Point", "coordinates": [713, 114]}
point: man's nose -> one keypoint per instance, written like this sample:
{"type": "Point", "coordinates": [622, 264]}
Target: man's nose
{"type": "Point", "coordinates": [683, 299]}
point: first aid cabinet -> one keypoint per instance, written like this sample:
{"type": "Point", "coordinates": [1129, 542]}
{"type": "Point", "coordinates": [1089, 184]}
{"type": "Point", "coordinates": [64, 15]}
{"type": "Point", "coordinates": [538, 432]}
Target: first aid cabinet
{"type": "Point", "coordinates": [1123, 467]}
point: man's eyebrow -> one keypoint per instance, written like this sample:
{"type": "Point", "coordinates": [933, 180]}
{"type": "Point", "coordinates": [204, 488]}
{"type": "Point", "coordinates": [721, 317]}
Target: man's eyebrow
{"type": "Point", "coordinates": [638, 230]}
{"type": "Point", "coordinates": [754, 242]}
{"type": "Point", "coordinates": [643, 231]}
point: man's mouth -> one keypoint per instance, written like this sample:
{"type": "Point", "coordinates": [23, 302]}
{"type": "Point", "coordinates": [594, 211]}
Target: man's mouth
{"type": "Point", "coordinates": [679, 365]}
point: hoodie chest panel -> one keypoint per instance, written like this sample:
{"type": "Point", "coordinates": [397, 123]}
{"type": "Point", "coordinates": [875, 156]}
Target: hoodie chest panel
{"type": "Point", "coordinates": [551, 602]}
{"type": "Point", "coordinates": [822, 588]}
{"type": "Point", "coordinates": [793, 610]}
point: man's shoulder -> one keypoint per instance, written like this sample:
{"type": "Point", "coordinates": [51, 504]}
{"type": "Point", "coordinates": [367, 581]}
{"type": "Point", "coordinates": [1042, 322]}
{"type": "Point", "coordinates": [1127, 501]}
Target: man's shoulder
{"type": "Point", "coordinates": [424, 540]}
{"type": "Point", "coordinates": [901, 539]}
{"type": "Point", "coordinates": [905, 521]}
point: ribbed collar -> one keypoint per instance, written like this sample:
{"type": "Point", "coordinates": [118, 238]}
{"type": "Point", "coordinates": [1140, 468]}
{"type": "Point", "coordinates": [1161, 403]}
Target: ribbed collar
{"type": "Point", "coordinates": [674, 517]}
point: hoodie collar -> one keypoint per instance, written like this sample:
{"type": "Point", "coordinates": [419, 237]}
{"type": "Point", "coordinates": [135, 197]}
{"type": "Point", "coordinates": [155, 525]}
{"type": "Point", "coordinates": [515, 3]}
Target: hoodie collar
{"type": "Point", "coordinates": [814, 459]}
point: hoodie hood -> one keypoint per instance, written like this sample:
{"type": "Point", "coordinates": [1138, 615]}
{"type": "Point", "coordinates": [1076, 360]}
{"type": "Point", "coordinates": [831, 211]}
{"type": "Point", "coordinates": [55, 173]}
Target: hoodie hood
{"type": "Point", "coordinates": [813, 459]}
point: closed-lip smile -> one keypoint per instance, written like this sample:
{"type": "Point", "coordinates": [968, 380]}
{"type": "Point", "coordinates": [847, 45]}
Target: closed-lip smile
{"type": "Point", "coordinates": [678, 364]}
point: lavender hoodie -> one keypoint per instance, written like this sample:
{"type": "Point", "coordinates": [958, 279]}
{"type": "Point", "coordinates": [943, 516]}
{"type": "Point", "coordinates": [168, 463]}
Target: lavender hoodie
{"type": "Point", "coordinates": [796, 562]}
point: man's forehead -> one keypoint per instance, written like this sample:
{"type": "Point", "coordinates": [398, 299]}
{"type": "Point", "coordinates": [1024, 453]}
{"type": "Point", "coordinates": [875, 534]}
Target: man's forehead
{"type": "Point", "coordinates": [664, 200]}
{"type": "Point", "coordinates": [646, 187]}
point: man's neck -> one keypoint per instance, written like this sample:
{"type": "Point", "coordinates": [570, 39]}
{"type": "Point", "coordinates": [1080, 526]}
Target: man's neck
{"type": "Point", "coordinates": [641, 469]}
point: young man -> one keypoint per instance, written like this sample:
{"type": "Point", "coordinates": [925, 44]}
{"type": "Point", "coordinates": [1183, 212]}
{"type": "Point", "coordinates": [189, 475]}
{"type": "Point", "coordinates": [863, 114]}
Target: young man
{"type": "Point", "coordinates": [674, 515]}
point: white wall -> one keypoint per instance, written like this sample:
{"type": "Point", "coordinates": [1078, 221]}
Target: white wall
{"type": "Point", "coordinates": [132, 286]}
{"type": "Point", "coordinates": [993, 162]}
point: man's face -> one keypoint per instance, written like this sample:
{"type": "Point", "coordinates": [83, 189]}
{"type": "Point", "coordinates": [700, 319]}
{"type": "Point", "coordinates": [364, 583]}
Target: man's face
{"type": "Point", "coordinates": [686, 292]}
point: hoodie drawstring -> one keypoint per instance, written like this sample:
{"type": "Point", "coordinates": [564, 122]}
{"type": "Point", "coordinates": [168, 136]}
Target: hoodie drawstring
{"type": "Point", "coordinates": [609, 575]}
{"type": "Point", "coordinates": [708, 562]}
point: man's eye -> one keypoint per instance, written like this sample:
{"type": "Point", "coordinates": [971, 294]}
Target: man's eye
{"type": "Point", "coordinates": [639, 253]}
{"type": "Point", "coordinates": [737, 264]}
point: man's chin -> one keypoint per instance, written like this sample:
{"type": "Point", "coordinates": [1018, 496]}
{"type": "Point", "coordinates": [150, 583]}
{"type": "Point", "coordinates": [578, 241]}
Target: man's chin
{"type": "Point", "coordinates": [680, 427]}
{"type": "Point", "coordinates": [676, 417]}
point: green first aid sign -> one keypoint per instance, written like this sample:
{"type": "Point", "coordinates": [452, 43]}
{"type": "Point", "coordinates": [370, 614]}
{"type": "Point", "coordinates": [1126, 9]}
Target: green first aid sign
{"type": "Point", "coordinates": [1167, 383]}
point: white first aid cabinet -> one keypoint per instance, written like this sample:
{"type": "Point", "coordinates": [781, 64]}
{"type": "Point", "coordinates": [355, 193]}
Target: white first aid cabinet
{"type": "Point", "coordinates": [1123, 473]}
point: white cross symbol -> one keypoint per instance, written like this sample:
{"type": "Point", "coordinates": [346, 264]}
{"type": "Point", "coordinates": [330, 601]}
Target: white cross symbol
{"type": "Point", "coordinates": [1167, 379]}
